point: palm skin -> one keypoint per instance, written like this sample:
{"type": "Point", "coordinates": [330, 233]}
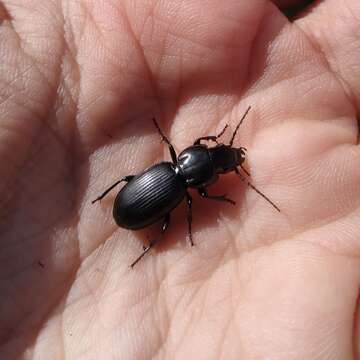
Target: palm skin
{"type": "Point", "coordinates": [79, 84]}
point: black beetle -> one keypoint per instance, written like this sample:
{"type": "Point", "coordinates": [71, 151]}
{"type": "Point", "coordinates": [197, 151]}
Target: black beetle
{"type": "Point", "coordinates": [153, 194]}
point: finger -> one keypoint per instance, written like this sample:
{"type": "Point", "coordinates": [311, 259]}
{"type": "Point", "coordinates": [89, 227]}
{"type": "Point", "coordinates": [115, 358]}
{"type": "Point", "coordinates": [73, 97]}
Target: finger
{"type": "Point", "coordinates": [333, 28]}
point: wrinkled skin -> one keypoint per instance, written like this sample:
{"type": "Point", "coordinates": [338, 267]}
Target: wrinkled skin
{"type": "Point", "coordinates": [79, 84]}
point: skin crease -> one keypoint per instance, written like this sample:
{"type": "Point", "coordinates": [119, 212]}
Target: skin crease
{"type": "Point", "coordinates": [79, 84]}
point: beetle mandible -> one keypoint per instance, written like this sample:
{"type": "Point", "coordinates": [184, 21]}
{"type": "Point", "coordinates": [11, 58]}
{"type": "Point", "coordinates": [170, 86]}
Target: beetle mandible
{"type": "Point", "coordinates": [151, 195]}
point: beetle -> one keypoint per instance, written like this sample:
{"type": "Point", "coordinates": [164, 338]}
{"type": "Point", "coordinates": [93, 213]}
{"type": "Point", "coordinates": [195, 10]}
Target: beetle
{"type": "Point", "coordinates": [150, 196]}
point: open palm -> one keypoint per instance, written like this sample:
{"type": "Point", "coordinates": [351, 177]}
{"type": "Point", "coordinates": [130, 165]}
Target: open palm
{"type": "Point", "coordinates": [79, 84]}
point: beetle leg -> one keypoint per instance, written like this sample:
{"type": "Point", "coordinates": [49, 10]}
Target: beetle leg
{"type": "Point", "coordinates": [165, 226]}
{"type": "Point", "coordinates": [205, 138]}
{"type": "Point", "coordinates": [203, 193]}
{"type": "Point", "coordinates": [189, 217]}
{"type": "Point", "coordinates": [211, 138]}
{"type": "Point", "coordinates": [167, 141]}
{"type": "Point", "coordinates": [254, 188]}
{"type": "Point", "coordinates": [126, 179]}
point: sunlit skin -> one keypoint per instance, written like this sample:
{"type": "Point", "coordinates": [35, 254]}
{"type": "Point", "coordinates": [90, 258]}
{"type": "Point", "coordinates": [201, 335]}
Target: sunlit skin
{"type": "Point", "coordinates": [80, 82]}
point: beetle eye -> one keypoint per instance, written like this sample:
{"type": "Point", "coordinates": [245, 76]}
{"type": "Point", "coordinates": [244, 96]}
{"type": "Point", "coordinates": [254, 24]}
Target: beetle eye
{"type": "Point", "coordinates": [243, 152]}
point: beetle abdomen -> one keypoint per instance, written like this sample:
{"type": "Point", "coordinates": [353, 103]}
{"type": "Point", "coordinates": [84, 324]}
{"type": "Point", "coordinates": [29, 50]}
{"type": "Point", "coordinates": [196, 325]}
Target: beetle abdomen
{"type": "Point", "coordinates": [149, 197]}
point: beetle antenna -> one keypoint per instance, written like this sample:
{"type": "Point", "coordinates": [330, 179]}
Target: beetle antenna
{"type": "Point", "coordinates": [237, 127]}
{"type": "Point", "coordinates": [254, 188]}
{"type": "Point", "coordinates": [264, 196]}
{"type": "Point", "coordinates": [245, 171]}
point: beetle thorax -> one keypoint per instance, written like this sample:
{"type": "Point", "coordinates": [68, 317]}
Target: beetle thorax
{"type": "Point", "coordinates": [196, 167]}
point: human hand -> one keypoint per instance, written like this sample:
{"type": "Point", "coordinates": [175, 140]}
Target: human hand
{"type": "Point", "coordinates": [257, 284]}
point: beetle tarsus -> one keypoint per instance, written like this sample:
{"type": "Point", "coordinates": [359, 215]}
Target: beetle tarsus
{"type": "Point", "coordinates": [146, 249]}
{"type": "Point", "coordinates": [165, 226]}
{"type": "Point", "coordinates": [203, 193]}
{"type": "Point", "coordinates": [189, 217]}
{"type": "Point", "coordinates": [126, 179]}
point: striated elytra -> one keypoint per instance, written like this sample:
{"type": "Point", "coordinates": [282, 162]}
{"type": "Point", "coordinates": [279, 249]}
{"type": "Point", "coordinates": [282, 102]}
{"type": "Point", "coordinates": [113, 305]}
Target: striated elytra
{"type": "Point", "coordinates": [151, 195]}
